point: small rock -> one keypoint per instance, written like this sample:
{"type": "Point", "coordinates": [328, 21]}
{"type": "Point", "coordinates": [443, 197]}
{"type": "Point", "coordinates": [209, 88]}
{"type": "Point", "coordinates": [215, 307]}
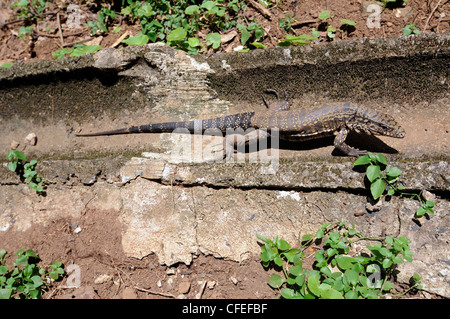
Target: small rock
{"type": "Point", "coordinates": [170, 271]}
{"type": "Point", "coordinates": [427, 195]}
{"type": "Point", "coordinates": [376, 206]}
{"type": "Point", "coordinates": [129, 293]}
{"type": "Point", "coordinates": [233, 280]}
{"type": "Point", "coordinates": [169, 284]}
{"type": "Point", "coordinates": [159, 283]}
{"type": "Point", "coordinates": [210, 284]}
{"type": "Point", "coordinates": [181, 296]}
{"type": "Point", "coordinates": [102, 279]}
{"type": "Point", "coordinates": [359, 213]}
{"type": "Point", "coordinates": [184, 287]}
{"type": "Point", "coordinates": [31, 139]}
{"type": "Point", "coordinates": [14, 145]}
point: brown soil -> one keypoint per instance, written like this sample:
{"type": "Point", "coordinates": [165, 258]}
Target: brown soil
{"type": "Point", "coordinates": [427, 15]}
{"type": "Point", "coordinates": [97, 249]}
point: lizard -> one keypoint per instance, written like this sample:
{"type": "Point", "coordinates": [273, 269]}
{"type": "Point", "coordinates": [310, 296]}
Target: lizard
{"type": "Point", "coordinates": [292, 124]}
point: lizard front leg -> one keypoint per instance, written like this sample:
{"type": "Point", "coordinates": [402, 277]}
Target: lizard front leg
{"type": "Point", "coordinates": [241, 140]}
{"type": "Point", "coordinates": [339, 143]}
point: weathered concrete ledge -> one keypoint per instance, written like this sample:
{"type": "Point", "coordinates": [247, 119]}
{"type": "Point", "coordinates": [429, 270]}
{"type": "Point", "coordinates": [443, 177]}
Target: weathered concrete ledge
{"type": "Point", "coordinates": [177, 210]}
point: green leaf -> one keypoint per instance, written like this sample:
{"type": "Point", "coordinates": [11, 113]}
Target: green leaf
{"type": "Point", "coordinates": [283, 245]}
{"type": "Point", "coordinates": [214, 40]}
{"type": "Point", "coordinates": [345, 262]}
{"type": "Point", "coordinates": [278, 261]}
{"type": "Point", "coordinates": [208, 5]}
{"type": "Point", "coordinates": [348, 22]}
{"type": "Point", "coordinates": [5, 293]}
{"type": "Point", "coordinates": [139, 39]}
{"type": "Point", "coordinates": [393, 171]}
{"type": "Point", "coordinates": [351, 294]}
{"type": "Point", "coordinates": [373, 172]}
{"type": "Point", "coordinates": [381, 158]}
{"type": "Point", "coordinates": [3, 270]}
{"type": "Point", "coordinates": [245, 35]}
{"type": "Point", "coordinates": [177, 35]}
{"type": "Point", "coordinates": [295, 271]}
{"type": "Point", "coordinates": [377, 188]}
{"type": "Point", "coordinates": [320, 233]}
{"type": "Point", "coordinates": [313, 282]}
{"type": "Point", "coordinates": [21, 261]}
{"type": "Point", "coordinates": [386, 263]}
{"type": "Point", "coordinates": [193, 42]}
{"type": "Point", "coordinates": [362, 160]}
{"type": "Point", "coordinates": [258, 45]}
{"type": "Point", "coordinates": [12, 166]}
{"type": "Point", "coordinates": [288, 293]}
{"type": "Point", "coordinates": [264, 239]}
{"type": "Point", "coordinates": [19, 155]}
{"type": "Point", "coordinates": [7, 65]}
{"type": "Point", "coordinates": [326, 14]}
{"type": "Point", "coordinates": [84, 49]}
{"type": "Point", "coordinates": [351, 277]}
{"type": "Point", "coordinates": [193, 9]}
{"type": "Point", "coordinates": [327, 292]}
{"type": "Point", "coordinates": [306, 238]}
{"type": "Point", "coordinates": [275, 281]}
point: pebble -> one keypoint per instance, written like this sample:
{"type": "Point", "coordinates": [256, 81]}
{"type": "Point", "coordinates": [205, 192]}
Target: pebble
{"type": "Point", "coordinates": [234, 280]}
{"type": "Point", "coordinates": [169, 284]}
{"type": "Point", "coordinates": [102, 279]}
{"type": "Point", "coordinates": [210, 284]}
{"type": "Point", "coordinates": [184, 287]}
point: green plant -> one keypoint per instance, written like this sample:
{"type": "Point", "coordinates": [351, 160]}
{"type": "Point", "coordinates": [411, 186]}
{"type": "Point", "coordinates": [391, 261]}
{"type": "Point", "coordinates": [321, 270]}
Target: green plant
{"type": "Point", "coordinates": [7, 65]}
{"type": "Point", "coordinates": [29, 10]}
{"type": "Point", "coordinates": [410, 29]}
{"type": "Point", "coordinates": [77, 50]}
{"type": "Point", "coordinates": [334, 273]}
{"type": "Point", "coordinates": [24, 31]}
{"type": "Point", "coordinates": [302, 39]}
{"type": "Point", "coordinates": [26, 170]}
{"type": "Point", "coordinates": [286, 23]}
{"type": "Point", "coordinates": [382, 177]}
{"type": "Point", "coordinates": [26, 279]}
{"type": "Point", "coordinates": [104, 18]}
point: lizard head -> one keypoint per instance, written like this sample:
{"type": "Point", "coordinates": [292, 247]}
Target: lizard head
{"type": "Point", "coordinates": [378, 123]}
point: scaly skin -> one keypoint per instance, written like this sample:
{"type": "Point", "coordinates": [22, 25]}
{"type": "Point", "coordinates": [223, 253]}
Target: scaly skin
{"type": "Point", "coordinates": [296, 125]}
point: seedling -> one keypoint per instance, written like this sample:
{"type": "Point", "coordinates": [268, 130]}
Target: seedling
{"type": "Point", "coordinates": [335, 274]}
{"type": "Point", "coordinates": [26, 280]}
{"type": "Point", "coordinates": [410, 29]}
{"type": "Point", "coordinates": [26, 170]}
{"type": "Point", "coordinates": [77, 50]}
{"type": "Point", "coordinates": [382, 177]}
{"type": "Point", "coordinates": [29, 10]}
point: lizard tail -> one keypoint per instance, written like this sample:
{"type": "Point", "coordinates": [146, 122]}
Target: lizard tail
{"type": "Point", "coordinates": [150, 128]}
{"type": "Point", "coordinates": [241, 120]}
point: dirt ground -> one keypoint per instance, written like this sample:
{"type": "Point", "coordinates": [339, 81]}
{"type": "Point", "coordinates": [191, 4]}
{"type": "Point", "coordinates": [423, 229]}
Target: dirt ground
{"type": "Point", "coordinates": [426, 15]}
{"type": "Point", "coordinates": [106, 272]}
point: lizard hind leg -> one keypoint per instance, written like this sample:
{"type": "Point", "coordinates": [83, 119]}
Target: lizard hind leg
{"type": "Point", "coordinates": [339, 143]}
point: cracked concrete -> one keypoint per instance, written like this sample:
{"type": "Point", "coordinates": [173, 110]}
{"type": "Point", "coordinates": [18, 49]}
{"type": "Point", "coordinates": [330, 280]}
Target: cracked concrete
{"type": "Point", "coordinates": [177, 210]}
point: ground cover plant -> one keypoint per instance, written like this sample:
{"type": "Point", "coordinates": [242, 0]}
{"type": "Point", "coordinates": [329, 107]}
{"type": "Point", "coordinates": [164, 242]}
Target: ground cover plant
{"type": "Point", "coordinates": [26, 280]}
{"type": "Point", "coordinates": [385, 179]}
{"type": "Point", "coordinates": [335, 272]}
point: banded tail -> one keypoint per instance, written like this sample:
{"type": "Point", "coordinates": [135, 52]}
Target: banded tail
{"type": "Point", "coordinates": [241, 120]}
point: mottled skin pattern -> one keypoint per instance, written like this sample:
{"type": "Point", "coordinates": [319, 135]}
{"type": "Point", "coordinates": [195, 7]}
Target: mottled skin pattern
{"type": "Point", "coordinates": [294, 125]}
